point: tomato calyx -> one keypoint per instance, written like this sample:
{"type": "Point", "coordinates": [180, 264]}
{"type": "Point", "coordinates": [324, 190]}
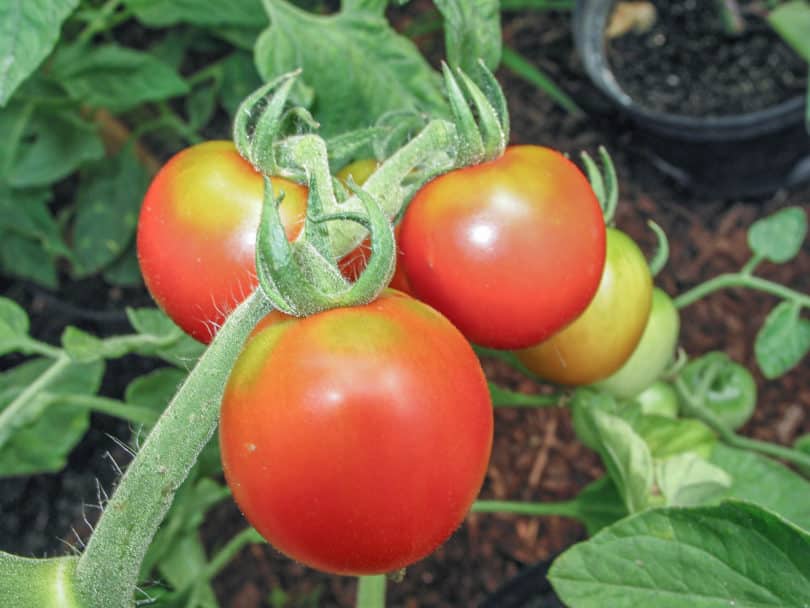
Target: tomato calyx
{"type": "Point", "coordinates": [604, 182]}
{"type": "Point", "coordinates": [302, 278]}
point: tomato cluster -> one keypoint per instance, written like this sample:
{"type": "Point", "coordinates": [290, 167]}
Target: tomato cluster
{"type": "Point", "coordinates": [356, 439]}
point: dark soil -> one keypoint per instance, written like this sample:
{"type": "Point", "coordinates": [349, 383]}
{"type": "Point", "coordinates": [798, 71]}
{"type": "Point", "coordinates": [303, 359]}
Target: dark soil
{"type": "Point", "coordinates": [686, 64]}
{"type": "Point", "coordinates": [535, 454]}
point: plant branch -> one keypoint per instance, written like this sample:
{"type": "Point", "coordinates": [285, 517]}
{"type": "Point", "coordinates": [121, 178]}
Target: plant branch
{"type": "Point", "coordinates": [568, 508]}
{"type": "Point", "coordinates": [371, 591]}
{"type": "Point", "coordinates": [108, 570]}
{"type": "Point", "coordinates": [740, 279]}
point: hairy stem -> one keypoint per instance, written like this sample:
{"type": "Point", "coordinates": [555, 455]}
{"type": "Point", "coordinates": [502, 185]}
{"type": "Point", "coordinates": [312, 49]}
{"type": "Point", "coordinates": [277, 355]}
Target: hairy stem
{"type": "Point", "coordinates": [108, 570]}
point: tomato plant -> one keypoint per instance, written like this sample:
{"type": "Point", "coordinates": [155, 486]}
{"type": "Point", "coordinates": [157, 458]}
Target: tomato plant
{"type": "Point", "coordinates": [197, 231]}
{"type": "Point", "coordinates": [653, 353]}
{"type": "Point", "coordinates": [355, 440]}
{"type": "Point", "coordinates": [603, 337]}
{"type": "Point", "coordinates": [510, 250]}
{"type": "Point", "coordinates": [659, 399]}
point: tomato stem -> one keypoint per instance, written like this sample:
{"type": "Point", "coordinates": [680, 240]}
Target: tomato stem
{"type": "Point", "coordinates": [567, 508]}
{"type": "Point", "coordinates": [108, 570]}
{"type": "Point", "coordinates": [740, 279]}
{"type": "Point", "coordinates": [371, 591]}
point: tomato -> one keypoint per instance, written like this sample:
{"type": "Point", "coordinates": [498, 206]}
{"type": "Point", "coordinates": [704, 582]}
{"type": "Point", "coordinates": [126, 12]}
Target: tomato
{"type": "Point", "coordinates": [659, 399]}
{"type": "Point", "coordinates": [354, 262]}
{"type": "Point", "coordinates": [510, 250]}
{"type": "Point", "coordinates": [603, 337]}
{"type": "Point", "coordinates": [653, 353]}
{"type": "Point", "coordinates": [355, 440]}
{"type": "Point", "coordinates": [197, 233]}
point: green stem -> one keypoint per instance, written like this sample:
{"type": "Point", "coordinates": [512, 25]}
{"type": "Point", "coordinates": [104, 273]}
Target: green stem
{"type": "Point", "coordinates": [696, 409]}
{"type": "Point", "coordinates": [739, 279]}
{"type": "Point", "coordinates": [35, 347]}
{"type": "Point", "coordinates": [371, 591]}
{"type": "Point", "coordinates": [134, 413]}
{"type": "Point", "coordinates": [751, 265]}
{"type": "Point", "coordinates": [180, 126]}
{"type": "Point", "coordinates": [108, 569]}
{"type": "Point", "coordinates": [99, 24]}
{"type": "Point", "coordinates": [12, 413]}
{"type": "Point", "coordinates": [234, 546]}
{"type": "Point", "coordinates": [568, 508]}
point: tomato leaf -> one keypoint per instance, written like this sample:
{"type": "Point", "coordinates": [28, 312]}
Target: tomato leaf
{"type": "Point", "coordinates": [734, 554]}
{"type": "Point", "coordinates": [156, 389]}
{"type": "Point", "coordinates": [108, 201]}
{"type": "Point", "coordinates": [29, 29]}
{"type": "Point", "coordinates": [239, 79]}
{"type": "Point", "coordinates": [173, 345]}
{"type": "Point", "coordinates": [14, 326]}
{"type": "Point", "coordinates": [41, 439]}
{"type": "Point", "coordinates": [627, 458]}
{"type": "Point", "coordinates": [125, 271]}
{"type": "Point", "coordinates": [57, 143]}
{"type": "Point", "coordinates": [161, 13]}
{"type": "Point", "coordinates": [115, 77]}
{"type": "Point", "coordinates": [765, 482]}
{"type": "Point", "coordinates": [791, 20]}
{"type": "Point", "coordinates": [599, 505]}
{"type": "Point", "coordinates": [353, 92]}
{"type": "Point", "coordinates": [779, 237]}
{"type": "Point", "coordinates": [472, 31]}
{"type": "Point", "coordinates": [687, 480]}
{"type": "Point", "coordinates": [783, 340]}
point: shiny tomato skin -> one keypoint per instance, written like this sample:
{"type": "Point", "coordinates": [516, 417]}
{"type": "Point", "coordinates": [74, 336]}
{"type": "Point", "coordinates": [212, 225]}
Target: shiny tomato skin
{"type": "Point", "coordinates": [606, 334]}
{"type": "Point", "coordinates": [355, 440]}
{"type": "Point", "coordinates": [510, 250]}
{"type": "Point", "coordinates": [196, 235]}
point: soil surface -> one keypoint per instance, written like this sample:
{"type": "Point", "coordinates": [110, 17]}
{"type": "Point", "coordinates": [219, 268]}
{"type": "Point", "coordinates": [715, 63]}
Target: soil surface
{"type": "Point", "coordinates": [535, 454]}
{"type": "Point", "coordinates": [685, 62]}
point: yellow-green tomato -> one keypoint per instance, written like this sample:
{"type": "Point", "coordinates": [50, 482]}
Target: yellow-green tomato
{"type": "Point", "coordinates": [659, 399]}
{"type": "Point", "coordinates": [359, 171]}
{"type": "Point", "coordinates": [600, 340]}
{"type": "Point", "coordinates": [653, 353]}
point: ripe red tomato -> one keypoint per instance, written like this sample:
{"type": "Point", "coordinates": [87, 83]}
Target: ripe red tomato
{"type": "Point", "coordinates": [510, 251]}
{"type": "Point", "coordinates": [197, 233]}
{"type": "Point", "coordinates": [605, 335]}
{"type": "Point", "coordinates": [355, 440]}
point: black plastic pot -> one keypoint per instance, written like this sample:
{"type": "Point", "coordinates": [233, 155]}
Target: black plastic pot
{"type": "Point", "coordinates": [736, 155]}
{"type": "Point", "coordinates": [529, 589]}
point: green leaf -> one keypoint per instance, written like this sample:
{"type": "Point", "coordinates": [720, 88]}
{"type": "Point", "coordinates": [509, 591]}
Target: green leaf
{"type": "Point", "coordinates": [161, 13]}
{"type": "Point", "coordinates": [29, 29]}
{"type": "Point", "coordinates": [109, 197]}
{"type": "Point", "coordinates": [83, 347]}
{"type": "Point", "coordinates": [353, 92]}
{"type": "Point", "coordinates": [778, 237]}
{"type": "Point", "coordinates": [735, 554]}
{"type": "Point", "coordinates": [115, 77]}
{"type": "Point", "coordinates": [27, 582]}
{"type": "Point", "coordinates": [791, 20]}
{"type": "Point", "coordinates": [25, 258]}
{"type": "Point", "coordinates": [183, 350]}
{"type": "Point", "coordinates": [14, 326]}
{"type": "Point", "coordinates": [783, 340]}
{"type": "Point", "coordinates": [627, 458]}
{"type": "Point", "coordinates": [599, 505]}
{"type": "Point", "coordinates": [687, 480]}
{"type": "Point", "coordinates": [766, 482]}
{"type": "Point", "coordinates": [239, 79]}
{"type": "Point", "coordinates": [472, 31]}
{"type": "Point", "coordinates": [42, 439]}
{"type": "Point", "coordinates": [58, 142]}
{"type": "Point", "coordinates": [200, 105]}
{"type": "Point", "coordinates": [154, 390]}
{"type": "Point", "coordinates": [125, 271]}
{"type": "Point", "coordinates": [667, 437]}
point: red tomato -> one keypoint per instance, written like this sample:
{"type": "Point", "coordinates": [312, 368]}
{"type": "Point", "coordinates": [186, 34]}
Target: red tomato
{"type": "Point", "coordinates": [355, 440]}
{"type": "Point", "coordinates": [510, 251]}
{"type": "Point", "coordinates": [197, 233]}
{"type": "Point", "coordinates": [605, 335]}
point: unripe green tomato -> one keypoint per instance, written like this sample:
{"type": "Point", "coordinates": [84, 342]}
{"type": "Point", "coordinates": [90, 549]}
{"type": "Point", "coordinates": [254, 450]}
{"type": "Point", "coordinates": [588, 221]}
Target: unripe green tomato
{"type": "Point", "coordinates": [732, 394]}
{"type": "Point", "coordinates": [601, 339]}
{"type": "Point", "coordinates": [659, 399]}
{"type": "Point", "coordinates": [653, 353]}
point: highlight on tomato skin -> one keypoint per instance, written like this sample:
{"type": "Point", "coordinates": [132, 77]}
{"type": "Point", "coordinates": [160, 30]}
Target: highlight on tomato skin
{"type": "Point", "coordinates": [196, 234]}
{"type": "Point", "coordinates": [355, 440]}
{"type": "Point", "coordinates": [511, 250]}
{"type": "Point", "coordinates": [603, 338]}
